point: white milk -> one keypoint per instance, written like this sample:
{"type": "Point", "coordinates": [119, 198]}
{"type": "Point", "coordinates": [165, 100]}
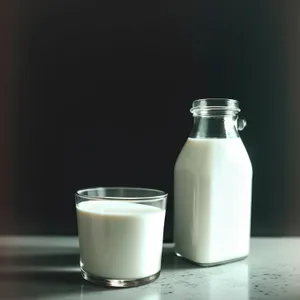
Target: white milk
{"type": "Point", "coordinates": [213, 179]}
{"type": "Point", "coordinates": [120, 240]}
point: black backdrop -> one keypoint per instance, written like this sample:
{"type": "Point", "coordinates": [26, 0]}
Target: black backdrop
{"type": "Point", "coordinates": [103, 91]}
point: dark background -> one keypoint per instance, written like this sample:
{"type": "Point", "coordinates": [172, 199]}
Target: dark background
{"type": "Point", "coordinates": [97, 93]}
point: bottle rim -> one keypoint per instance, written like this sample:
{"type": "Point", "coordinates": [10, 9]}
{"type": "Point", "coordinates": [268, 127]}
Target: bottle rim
{"type": "Point", "coordinates": [205, 105]}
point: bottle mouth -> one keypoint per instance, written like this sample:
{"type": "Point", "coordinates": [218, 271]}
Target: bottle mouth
{"type": "Point", "coordinates": [215, 105]}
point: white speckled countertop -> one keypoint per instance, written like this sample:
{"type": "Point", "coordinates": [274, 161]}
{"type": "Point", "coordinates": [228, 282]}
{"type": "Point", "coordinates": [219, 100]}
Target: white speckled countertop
{"type": "Point", "coordinates": [47, 268]}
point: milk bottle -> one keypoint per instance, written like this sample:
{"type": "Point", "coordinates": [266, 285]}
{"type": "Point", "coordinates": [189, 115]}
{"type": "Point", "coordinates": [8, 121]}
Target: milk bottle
{"type": "Point", "coordinates": [213, 183]}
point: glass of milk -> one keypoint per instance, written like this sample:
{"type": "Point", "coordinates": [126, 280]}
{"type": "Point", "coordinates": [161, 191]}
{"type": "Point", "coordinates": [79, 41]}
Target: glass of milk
{"type": "Point", "coordinates": [120, 234]}
{"type": "Point", "coordinates": [213, 185]}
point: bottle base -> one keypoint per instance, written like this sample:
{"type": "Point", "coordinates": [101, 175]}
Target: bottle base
{"type": "Point", "coordinates": [214, 264]}
{"type": "Point", "coordinates": [118, 283]}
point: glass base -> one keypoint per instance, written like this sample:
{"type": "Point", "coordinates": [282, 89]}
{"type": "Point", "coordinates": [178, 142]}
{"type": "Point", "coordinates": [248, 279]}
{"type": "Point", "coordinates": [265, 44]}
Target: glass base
{"type": "Point", "coordinates": [118, 283]}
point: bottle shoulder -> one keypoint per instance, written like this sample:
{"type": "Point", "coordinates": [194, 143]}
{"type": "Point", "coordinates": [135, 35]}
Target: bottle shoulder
{"type": "Point", "coordinates": [220, 152]}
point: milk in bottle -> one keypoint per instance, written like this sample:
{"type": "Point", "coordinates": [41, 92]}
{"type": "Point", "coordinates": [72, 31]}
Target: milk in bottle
{"type": "Point", "coordinates": [213, 182]}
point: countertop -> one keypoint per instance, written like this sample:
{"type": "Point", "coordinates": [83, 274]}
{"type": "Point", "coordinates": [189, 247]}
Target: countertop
{"type": "Point", "coordinates": [47, 268]}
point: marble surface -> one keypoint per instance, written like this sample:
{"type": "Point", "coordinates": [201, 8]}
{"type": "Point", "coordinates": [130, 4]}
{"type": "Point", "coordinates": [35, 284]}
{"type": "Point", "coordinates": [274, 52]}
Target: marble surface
{"type": "Point", "coordinates": [47, 268]}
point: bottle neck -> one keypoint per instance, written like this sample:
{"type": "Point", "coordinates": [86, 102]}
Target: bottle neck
{"type": "Point", "coordinates": [220, 126]}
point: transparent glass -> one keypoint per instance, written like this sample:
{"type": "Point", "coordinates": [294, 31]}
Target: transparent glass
{"type": "Point", "coordinates": [120, 234]}
{"type": "Point", "coordinates": [216, 118]}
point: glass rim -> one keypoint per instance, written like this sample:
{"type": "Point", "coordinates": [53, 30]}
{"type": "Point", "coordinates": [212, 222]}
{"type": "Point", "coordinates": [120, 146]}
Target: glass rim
{"type": "Point", "coordinates": [160, 195]}
{"type": "Point", "coordinates": [206, 104]}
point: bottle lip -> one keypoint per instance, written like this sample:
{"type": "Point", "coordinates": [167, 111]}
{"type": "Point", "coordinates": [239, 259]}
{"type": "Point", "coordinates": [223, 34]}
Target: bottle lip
{"type": "Point", "coordinates": [206, 105]}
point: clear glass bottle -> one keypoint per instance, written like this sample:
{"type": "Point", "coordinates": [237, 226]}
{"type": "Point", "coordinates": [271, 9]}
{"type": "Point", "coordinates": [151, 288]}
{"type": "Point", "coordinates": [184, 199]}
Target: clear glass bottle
{"type": "Point", "coordinates": [213, 185]}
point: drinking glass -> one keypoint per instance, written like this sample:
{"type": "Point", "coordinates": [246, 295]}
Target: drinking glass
{"type": "Point", "coordinates": [120, 234]}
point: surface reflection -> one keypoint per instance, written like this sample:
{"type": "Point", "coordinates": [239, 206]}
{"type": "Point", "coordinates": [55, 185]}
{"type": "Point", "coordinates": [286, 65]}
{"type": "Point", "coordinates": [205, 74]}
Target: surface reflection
{"type": "Point", "coordinates": [233, 281]}
{"type": "Point", "coordinates": [146, 292]}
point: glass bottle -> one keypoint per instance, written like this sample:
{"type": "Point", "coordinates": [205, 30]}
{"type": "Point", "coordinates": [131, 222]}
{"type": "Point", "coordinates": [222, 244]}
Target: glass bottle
{"type": "Point", "coordinates": [213, 185]}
